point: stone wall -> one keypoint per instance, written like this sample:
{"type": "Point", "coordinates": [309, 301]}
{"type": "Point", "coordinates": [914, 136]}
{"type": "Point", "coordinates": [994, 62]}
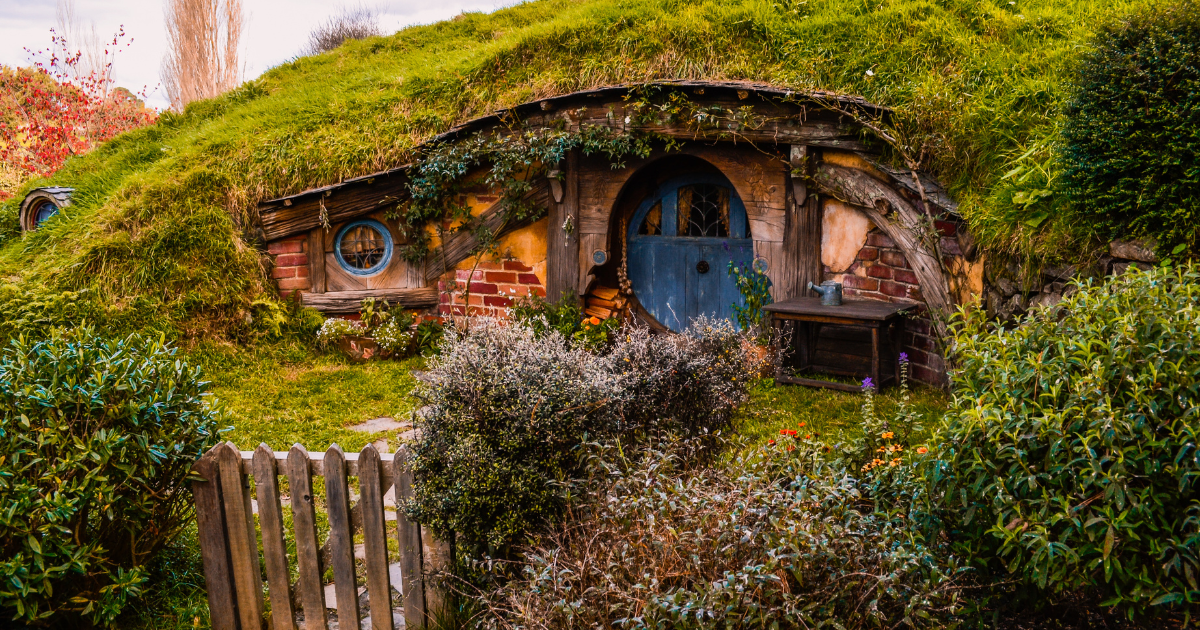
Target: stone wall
{"type": "Point", "coordinates": [489, 290]}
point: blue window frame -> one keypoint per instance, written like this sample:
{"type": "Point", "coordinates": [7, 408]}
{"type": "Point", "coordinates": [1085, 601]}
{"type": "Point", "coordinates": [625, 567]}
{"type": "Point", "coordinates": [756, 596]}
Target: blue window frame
{"type": "Point", "coordinates": [363, 247]}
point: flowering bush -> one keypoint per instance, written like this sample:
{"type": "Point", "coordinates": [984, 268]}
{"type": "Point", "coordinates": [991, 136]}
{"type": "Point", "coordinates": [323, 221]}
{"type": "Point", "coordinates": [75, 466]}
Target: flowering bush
{"type": "Point", "coordinates": [335, 328]}
{"type": "Point", "coordinates": [565, 317]}
{"type": "Point", "coordinates": [392, 331]}
{"type": "Point", "coordinates": [508, 409]}
{"type": "Point", "coordinates": [1073, 443]}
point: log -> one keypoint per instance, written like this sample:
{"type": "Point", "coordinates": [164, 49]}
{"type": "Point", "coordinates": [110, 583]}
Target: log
{"type": "Point", "coordinates": [461, 245]}
{"type": "Point", "coordinates": [562, 246]}
{"type": "Point", "coordinates": [605, 293]}
{"type": "Point", "coordinates": [602, 313]}
{"type": "Point", "coordinates": [351, 301]}
{"type": "Point", "coordinates": [901, 222]}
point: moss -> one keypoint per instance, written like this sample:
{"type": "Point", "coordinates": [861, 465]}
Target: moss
{"type": "Point", "coordinates": [162, 215]}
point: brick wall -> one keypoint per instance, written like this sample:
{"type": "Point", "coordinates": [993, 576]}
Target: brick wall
{"type": "Point", "coordinates": [493, 287]}
{"type": "Point", "coordinates": [880, 272]}
{"type": "Point", "coordinates": [291, 265]}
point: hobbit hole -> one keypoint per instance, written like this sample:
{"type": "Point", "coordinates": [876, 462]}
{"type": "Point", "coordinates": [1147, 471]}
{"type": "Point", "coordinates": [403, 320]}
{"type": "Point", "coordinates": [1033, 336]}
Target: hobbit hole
{"type": "Point", "coordinates": [634, 206]}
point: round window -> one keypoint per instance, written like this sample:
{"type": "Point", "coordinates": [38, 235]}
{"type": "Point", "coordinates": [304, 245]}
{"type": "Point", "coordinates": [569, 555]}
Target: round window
{"type": "Point", "coordinates": [364, 247]}
{"type": "Point", "coordinates": [44, 211]}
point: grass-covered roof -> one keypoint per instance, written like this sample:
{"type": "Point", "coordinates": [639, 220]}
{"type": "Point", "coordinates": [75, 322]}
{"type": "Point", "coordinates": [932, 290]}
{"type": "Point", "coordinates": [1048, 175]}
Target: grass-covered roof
{"type": "Point", "coordinates": [155, 238]}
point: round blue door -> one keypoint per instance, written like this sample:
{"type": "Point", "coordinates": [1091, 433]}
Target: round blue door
{"type": "Point", "coordinates": [681, 240]}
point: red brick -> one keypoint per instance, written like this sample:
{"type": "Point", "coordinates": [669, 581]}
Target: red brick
{"type": "Point", "coordinates": [516, 265]}
{"type": "Point", "coordinates": [861, 283]}
{"type": "Point", "coordinates": [483, 288]}
{"type": "Point", "coordinates": [487, 198]}
{"type": "Point", "coordinates": [904, 275]}
{"type": "Point", "coordinates": [497, 300]}
{"type": "Point", "coordinates": [879, 271]}
{"type": "Point", "coordinates": [291, 260]}
{"type": "Point", "coordinates": [447, 309]}
{"type": "Point", "coordinates": [893, 258]}
{"type": "Point", "coordinates": [914, 293]}
{"type": "Point", "coordinates": [444, 298]}
{"type": "Point", "coordinates": [919, 342]}
{"type": "Point", "coordinates": [893, 289]}
{"type": "Point", "coordinates": [286, 247]}
{"type": "Point", "coordinates": [514, 290]}
{"type": "Point", "coordinates": [466, 274]}
{"type": "Point", "coordinates": [294, 283]}
{"type": "Point", "coordinates": [947, 228]}
{"type": "Point", "coordinates": [918, 357]}
{"type": "Point", "coordinates": [284, 272]}
{"type": "Point", "coordinates": [528, 278]}
{"type": "Point", "coordinates": [501, 276]}
{"type": "Point", "coordinates": [538, 291]}
{"type": "Point", "coordinates": [490, 266]}
{"type": "Point", "coordinates": [922, 374]}
{"type": "Point", "coordinates": [867, 253]}
{"type": "Point", "coordinates": [918, 325]}
{"type": "Point", "coordinates": [475, 300]}
{"type": "Point", "coordinates": [879, 239]}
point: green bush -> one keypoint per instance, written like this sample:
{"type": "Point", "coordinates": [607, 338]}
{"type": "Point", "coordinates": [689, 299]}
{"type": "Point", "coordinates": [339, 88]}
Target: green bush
{"type": "Point", "coordinates": [566, 317]}
{"type": "Point", "coordinates": [508, 409]}
{"type": "Point", "coordinates": [1132, 134]}
{"type": "Point", "coordinates": [1073, 443]}
{"type": "Point", "coordinates": [96, 441]}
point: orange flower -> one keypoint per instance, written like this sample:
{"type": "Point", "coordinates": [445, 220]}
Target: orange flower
{"type": "Point", "coordinates": [888, 435]}
{"type": "Point", "coordinates": [791, 448]}
{"type": "Point", "coordinates": [922, 450]}
{"type": "Point", "coordinates": [802, 424]}
{"type": "Point", "coordinates": [808, 437]}
{"type": "Point", "coordinates": [895, 462]}
{"type": "Point", "coordinates": [770, 441]}
{"type": "Point", "coordinates": [595, 321]}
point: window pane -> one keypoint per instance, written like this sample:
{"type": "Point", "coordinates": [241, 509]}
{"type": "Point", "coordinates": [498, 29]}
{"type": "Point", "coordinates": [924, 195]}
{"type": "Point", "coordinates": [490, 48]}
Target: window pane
{"type": "Point", "coordinates": [703, 211]}
{"type": "Point", "coordinates": [362, 247]}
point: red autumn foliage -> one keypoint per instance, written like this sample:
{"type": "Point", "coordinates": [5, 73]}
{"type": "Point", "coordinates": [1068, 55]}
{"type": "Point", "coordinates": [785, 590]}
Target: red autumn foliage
{"type": "Point", "coordinates": [56, 109]}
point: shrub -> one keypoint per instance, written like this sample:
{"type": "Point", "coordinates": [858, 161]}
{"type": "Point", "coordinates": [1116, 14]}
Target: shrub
{"type": "Point", "coordinates": [507, 411]}
{"type": "Point", "coordinates": [1073, 442]}
{"type": "Point", "coordinates": [794, 535]}
{"type": "Point", "coordinates": [1131, 129]}
{"type": "Point", "coordinates": [96, 441]}
{"type": "Point", "coordinates": [565, 317]}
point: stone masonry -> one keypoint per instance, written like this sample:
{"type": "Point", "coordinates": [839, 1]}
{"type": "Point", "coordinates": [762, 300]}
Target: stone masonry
{"type": "Point", "coordinates": [290, 269]}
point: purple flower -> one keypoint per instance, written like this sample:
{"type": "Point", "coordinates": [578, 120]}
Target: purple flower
{"type": "Point", "coordinates": [904, 357]}
{"type": "Point", "coordinates": [867, 384]}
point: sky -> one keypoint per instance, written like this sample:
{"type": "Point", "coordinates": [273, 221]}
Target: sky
{"type": "Point", "coordinates": [275, 30]}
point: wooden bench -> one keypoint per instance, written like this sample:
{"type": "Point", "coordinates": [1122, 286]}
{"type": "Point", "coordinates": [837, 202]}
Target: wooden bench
{"type": "Point", "coordinates": [845, 351]}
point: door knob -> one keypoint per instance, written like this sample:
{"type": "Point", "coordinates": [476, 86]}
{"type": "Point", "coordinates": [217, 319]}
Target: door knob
{"type": "Point", "coordinates": [702, 266]}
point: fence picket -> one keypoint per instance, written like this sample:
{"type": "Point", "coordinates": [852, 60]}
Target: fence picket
{"type": "Point", "coordinates": [341, 537]}
{"type": "Point", "coordinates": [243, 547]}
{"type": "Point", "coordinates": [408, 535]}
{"type": "Point", "coordinates": [270, 518]}
{"type": "Point", "coordinates": [214, 548]}
{"type": "Point", "coordinates": [304, 521]}
{"type": "Point", "coordinates": [375, 538]}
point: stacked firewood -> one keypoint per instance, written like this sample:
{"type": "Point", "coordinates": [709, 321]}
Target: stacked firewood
{"type": "Point", "coordinates": [604, 302]}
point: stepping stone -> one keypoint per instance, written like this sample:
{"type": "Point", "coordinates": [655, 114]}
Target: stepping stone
{"type": "Point", "coordinates": [379, 425]}
{"type": "Point", "coordinates": [395, 576]}
{"type": "Point", "coordinates": [331, 595]}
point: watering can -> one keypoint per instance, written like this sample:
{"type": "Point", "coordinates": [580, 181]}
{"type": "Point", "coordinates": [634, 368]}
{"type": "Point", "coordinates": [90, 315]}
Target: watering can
{"type": "Point", "coordinates": [831, 292]}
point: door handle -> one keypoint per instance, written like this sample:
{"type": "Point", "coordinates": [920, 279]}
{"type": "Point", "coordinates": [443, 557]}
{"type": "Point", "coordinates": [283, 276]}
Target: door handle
{"type": "Point", "coordinates": [702, 266]}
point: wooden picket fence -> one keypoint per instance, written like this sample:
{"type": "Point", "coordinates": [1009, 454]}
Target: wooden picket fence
{"type": "Point", "coordinates": [229, 540]}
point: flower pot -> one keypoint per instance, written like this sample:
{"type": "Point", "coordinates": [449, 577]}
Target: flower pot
{"type": "Point", "coordinates": [361, 349]}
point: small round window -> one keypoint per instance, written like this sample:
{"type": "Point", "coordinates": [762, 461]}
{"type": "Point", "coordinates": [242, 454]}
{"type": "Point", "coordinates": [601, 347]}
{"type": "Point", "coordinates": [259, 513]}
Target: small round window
{"type": "Point", "coordinates": [44, 211]}
{"type": "Point", "coordinates": [364, 247]}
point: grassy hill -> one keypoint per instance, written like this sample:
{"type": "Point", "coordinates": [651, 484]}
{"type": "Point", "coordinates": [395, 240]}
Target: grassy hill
{"type": "Point", "coordinates": [161, 236]}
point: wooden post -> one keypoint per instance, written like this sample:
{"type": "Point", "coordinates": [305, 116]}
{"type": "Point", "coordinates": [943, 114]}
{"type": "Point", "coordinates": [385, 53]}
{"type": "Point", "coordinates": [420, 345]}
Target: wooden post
{"type": "Point", "coordinates": [436, 556]}
{"type": "Point", "coordinates": [316, 260]}
{"type": "Point", "coordinates": [243, 545]}
{"type": "Point", "coordinates": [374, 538]}
{"type": "Point", "coordinates": [341, 537]}
{"type": "Point", "coordinates": [562, 247]}
{"type": "Point", "coordinates": [802, 228]}
{"type": "Point", "coordinates": [214, 546]}
{"type": "Point", "coordinates": [308, 560]}
{"type": "Point", "coordinates": [408, 535]}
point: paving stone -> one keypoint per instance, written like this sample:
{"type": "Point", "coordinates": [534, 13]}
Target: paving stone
{"type": "Point", "coordinates": [379, 425]}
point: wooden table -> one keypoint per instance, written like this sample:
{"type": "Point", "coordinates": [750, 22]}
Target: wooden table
{"type": "Point", "coordinates": [806, 316]}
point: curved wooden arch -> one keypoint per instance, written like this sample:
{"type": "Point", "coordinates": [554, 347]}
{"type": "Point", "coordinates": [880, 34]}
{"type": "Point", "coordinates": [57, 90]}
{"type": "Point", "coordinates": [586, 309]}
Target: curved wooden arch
{"type": "Point", "coordinates": [57, 196]}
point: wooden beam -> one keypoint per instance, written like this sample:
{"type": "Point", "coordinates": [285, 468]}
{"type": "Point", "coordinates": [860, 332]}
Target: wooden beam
{"type": "Point", "coordinates": [316, 259]}
{"type": "Point", "coordinates": [562, 246]}
{"type": "Point", "coordinates": [460, 245]}
{"type": "Point", "coordinates": [351, 301]}
{"type": "Point", "coordinates": [802, 230]}
{"type": "Point", "coordinates": [280, 219]}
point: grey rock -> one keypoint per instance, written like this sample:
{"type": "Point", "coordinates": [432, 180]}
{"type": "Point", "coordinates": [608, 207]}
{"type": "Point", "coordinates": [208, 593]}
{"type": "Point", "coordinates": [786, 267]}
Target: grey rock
{"type": "Point", "coordinates": [379, 425]}
{"type": "Point", "coordinates": [1061, 272]}
{"type": "Point", "coordinates": [1121, 267]}
{"type": "Point", "coordinates": [1141, 250]}
{"type": "Point", "coordinates": [1055, 287]}
{"type": "Point", "coordinates": [994, 303]}
{"type": "Point", "coordinates": [1045, 300]}
{"type": "Point", "coordinates": [1006, 286]}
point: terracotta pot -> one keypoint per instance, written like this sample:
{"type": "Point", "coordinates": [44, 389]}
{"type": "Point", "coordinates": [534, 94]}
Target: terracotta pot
{"type": "Point", "coordinates": [361, 349]}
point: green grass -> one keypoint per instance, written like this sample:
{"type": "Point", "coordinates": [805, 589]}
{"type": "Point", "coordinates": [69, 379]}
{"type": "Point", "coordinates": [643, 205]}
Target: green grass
{"type": "Point", "coordinates": [158, 238]}
{"type": "Point", "coordinates": [286, 394]}
{"type": "Point", "coordinates": [835, 415]}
